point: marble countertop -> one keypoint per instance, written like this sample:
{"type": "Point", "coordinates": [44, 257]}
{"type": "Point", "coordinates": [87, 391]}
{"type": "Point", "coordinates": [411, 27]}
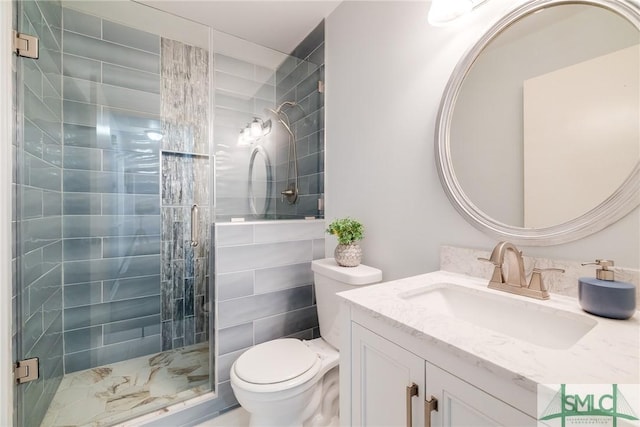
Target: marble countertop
{"type": "Point", "coordinates": [608, 353]}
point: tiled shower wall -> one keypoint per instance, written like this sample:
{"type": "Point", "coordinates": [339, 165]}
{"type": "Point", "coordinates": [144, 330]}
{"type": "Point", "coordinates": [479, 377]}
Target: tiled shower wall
{"type": "Point", "coordinates": [297, 80]}
{"type": "Point", "coordinates": [242, 91]}
{"type": "Point", "coordinates": [37, 221]}
{"type": "Point", "coordinates": [111, 185]}
{"type": "Point", "coordinates": [122, 299]}
{"type": "Point", "coordinates": [264, 286]}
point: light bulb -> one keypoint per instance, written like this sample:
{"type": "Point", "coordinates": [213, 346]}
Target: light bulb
{"type": "Point", "coordinates": [256, 128]}
{"type": "Point", "coordinates": [244, 139]}
{"type": "Point", "coordinates": [154, 135]}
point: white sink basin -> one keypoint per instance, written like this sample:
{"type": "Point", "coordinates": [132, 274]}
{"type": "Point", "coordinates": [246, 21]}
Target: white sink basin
{"type": "Point", "coordinates": [544, 326]}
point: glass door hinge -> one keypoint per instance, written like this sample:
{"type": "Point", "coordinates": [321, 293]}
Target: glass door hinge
{"type": "Point", "coordinates": [26, 370]}
{"type": "Point", "coordinates": [25, 45]}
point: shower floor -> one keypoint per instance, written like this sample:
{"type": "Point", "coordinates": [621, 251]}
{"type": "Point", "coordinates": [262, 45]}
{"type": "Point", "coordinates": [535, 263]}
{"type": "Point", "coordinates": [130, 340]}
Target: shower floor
{"type": "Point", "coordinates": [114, 393]}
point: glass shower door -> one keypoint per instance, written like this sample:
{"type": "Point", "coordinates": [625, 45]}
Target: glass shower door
{"type": "Point", "coordinates": [112, 214]}
{"type": "Point", "coordinates": [38, 247]}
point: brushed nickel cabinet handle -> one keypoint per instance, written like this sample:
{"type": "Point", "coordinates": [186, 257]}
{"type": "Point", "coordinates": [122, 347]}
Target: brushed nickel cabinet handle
{"type": "Point", "coordinates": [412, 390]}
{"type": "Point", "coordinates": [430, 405]}
{"type": "Point", "coordinates": [194, 225]}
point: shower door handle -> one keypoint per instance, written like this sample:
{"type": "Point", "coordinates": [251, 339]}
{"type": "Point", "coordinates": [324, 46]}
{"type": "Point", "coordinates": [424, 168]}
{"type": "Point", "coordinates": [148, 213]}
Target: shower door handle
{"type": "Point", "coordinates": [194, 225]}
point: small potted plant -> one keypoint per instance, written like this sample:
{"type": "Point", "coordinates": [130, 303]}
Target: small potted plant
{"type": "Point", "coordinates": [348, 231]}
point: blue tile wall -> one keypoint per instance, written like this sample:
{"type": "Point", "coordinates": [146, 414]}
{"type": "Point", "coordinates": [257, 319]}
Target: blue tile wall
{"type": "Point", "coordinates": [297, 80]}
{"type": "Point", "coordinates": [111, 222]}
{"type": "Point", "coordinates": [37, 221]}
{"type": "Point", "coordinates": [242, 91]}
{"type": "Point", "coordinates": [264, 285]}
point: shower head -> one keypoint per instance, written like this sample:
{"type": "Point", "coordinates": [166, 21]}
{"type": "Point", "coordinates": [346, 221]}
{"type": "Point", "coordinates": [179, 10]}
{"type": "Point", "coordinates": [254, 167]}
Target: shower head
{"type": "Point", "coordinates": [279, 111]}
{"type": "Point", "coordinates": [289, 104]}
{"type": "Point", "coordinates": [283, 117]}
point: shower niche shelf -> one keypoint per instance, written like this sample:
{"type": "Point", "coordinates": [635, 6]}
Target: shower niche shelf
{"type": "Point", "coordinates": [183, 153]}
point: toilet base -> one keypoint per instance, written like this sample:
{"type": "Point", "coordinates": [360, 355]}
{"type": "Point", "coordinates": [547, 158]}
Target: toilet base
{"type": "Point", "coordinates": [327, 414]}
{"type": "Point", "coordinates": [315, 404]}
{"type": "Point", "coordinates": [322, 409]}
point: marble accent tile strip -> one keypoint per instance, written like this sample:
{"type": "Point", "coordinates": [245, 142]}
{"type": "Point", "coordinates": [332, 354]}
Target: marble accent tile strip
{"type": "Point", "coordinates": [185, 171]}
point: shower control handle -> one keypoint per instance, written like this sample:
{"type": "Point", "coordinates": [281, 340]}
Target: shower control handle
{"type": "Point", "coordinates": [194, 225]}
{"type": "Point", "coordinates": [286, 193]}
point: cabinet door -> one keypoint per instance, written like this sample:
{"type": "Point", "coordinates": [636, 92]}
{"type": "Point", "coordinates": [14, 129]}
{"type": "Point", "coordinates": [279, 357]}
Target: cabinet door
{"type": "Point", "coordinates": [462, 405]}
{"type": "Point", "coordinates": [380, 374]}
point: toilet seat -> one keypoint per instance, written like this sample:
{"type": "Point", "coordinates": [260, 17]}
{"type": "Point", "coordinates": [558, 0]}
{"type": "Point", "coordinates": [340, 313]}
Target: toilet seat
{"type": "Point", "coordinates": [276, 365]}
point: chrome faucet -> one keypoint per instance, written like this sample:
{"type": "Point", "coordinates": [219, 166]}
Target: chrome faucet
{"type": "Point", "coordinates": [516, 281]}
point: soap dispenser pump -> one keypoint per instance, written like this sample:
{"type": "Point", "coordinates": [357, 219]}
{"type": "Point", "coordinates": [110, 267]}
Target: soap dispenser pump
{"type": "Point", "coordinates": [604, 296]}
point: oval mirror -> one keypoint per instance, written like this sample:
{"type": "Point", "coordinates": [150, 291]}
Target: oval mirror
{"type": "Point", "coordinates": [260, 182]}
{"type": "Point", "coordinates": [538, 133]}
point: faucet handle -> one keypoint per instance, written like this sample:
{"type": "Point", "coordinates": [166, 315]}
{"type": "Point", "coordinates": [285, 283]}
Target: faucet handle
{"type": "Point", "coordinates": [496, 277]}
{"type": "Point", "coordinates": [537, 284]}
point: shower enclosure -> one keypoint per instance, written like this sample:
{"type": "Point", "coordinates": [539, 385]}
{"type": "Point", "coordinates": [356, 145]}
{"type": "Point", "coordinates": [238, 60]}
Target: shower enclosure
{"type": "Point", "coordinates": [125, 124]}
{"type": "Point", "coordinates": [112, 190]}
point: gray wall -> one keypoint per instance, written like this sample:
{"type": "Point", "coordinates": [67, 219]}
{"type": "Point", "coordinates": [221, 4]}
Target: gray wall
{"type": "Point", "coordinates": [37, 221]}
{"type": "Point", "coordinates": [386, 70]}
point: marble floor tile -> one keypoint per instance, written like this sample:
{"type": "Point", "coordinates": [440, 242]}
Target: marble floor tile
{"type": "Point", "coordinates": [111, 394]}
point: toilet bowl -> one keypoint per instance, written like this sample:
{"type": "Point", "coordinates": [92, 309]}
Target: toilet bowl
{"type": "Point", "coordinates": [291, 382]}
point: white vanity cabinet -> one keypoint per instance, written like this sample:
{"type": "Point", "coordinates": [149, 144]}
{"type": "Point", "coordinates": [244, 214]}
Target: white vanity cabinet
{"type": "Point", "coordinates": [381, 375]}
{"type": "Point", "coordinates": [462, 404]}
{"type": "Point", "coordinates": [466, 352]}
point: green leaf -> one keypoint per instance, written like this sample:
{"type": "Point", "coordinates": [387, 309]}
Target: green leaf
{"type": "Point", "coordinates": [347, 230]}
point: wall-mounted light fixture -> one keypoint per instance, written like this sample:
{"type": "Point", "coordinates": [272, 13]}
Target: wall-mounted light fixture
{"type": "Point", "coordinates": [442, 12]}
{"type": "Point", "coordinates": [252, 133]}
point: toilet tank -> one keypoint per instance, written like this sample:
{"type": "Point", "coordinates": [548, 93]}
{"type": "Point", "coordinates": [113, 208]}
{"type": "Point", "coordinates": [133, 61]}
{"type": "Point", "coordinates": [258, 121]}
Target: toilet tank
{"type": "Point", "coordinates": [329, 279]}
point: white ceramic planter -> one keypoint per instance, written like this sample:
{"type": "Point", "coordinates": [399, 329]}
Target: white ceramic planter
{"type": "Point", "coordinates": [348, 255]}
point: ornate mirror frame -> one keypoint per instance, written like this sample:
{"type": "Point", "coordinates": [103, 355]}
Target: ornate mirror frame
{"type": "Point", "coordinates": [617, 205]}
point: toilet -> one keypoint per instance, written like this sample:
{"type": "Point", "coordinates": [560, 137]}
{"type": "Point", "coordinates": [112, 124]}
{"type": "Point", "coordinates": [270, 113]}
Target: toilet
{"type": "Point", "coordinates": [291, 382]}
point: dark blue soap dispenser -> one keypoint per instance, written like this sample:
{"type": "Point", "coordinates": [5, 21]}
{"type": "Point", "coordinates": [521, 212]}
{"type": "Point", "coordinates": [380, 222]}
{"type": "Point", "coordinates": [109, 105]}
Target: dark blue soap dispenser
{"type": "Point", "coordinates": [604, 296]}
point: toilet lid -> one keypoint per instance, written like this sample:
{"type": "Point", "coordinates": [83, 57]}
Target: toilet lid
{"type": "Point", "coordinates": [275, 361]}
